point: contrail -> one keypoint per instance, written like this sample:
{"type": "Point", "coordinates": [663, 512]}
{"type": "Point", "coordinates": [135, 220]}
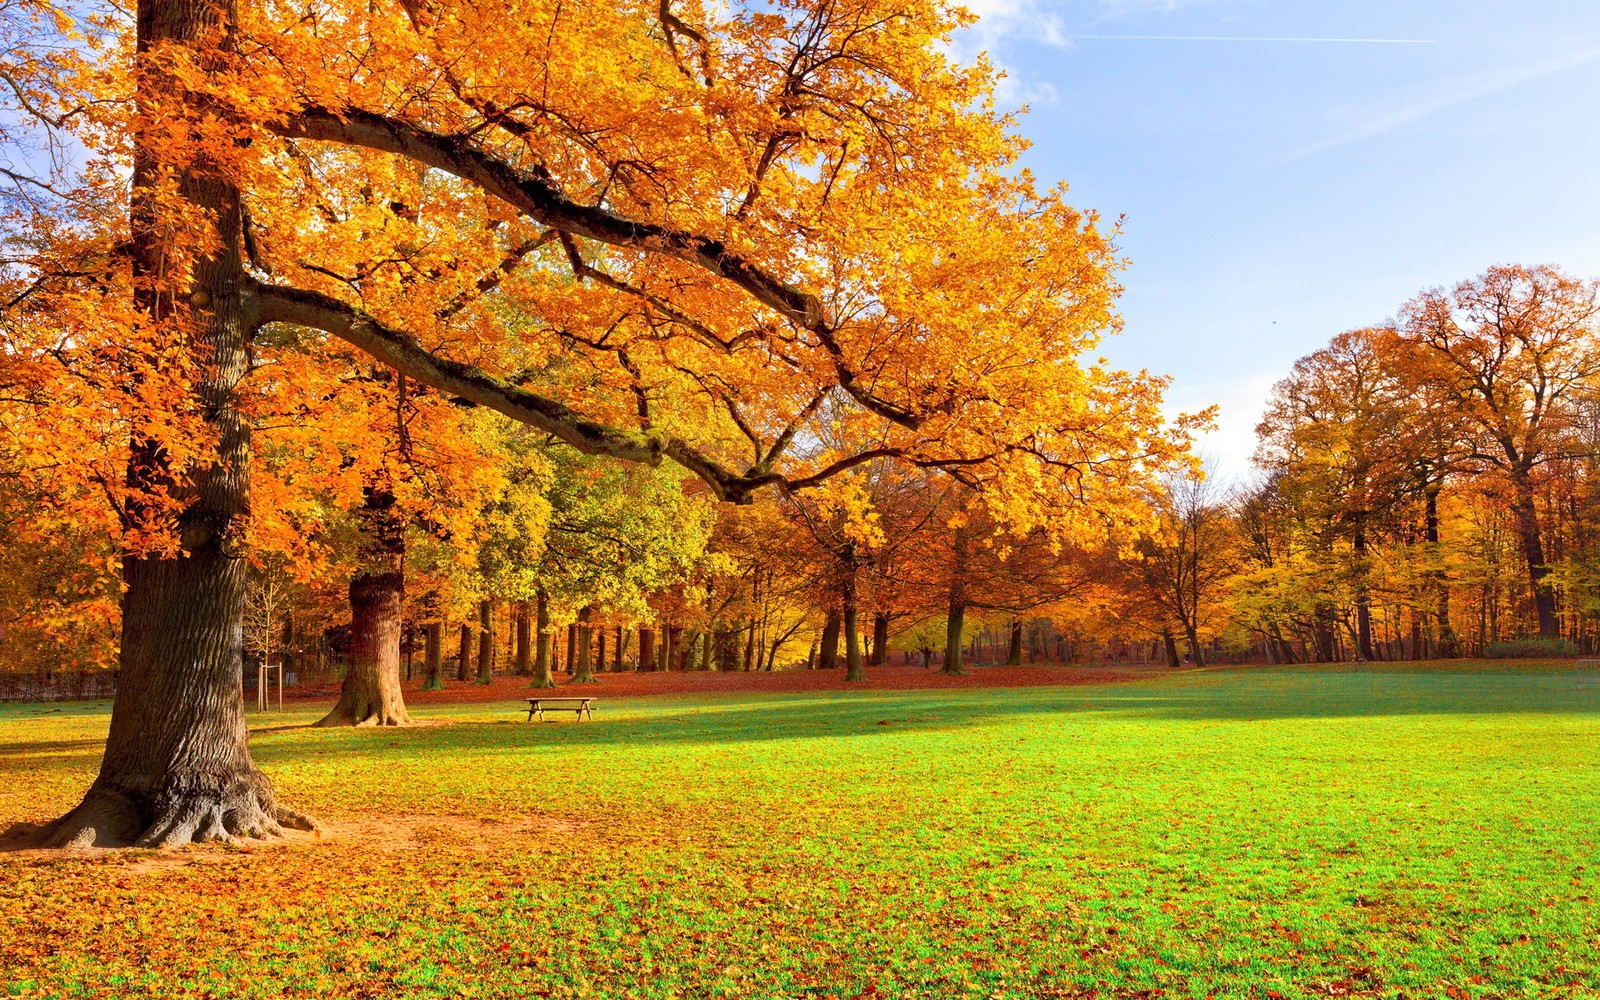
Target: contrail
{"type": "Point", "coordinates": [1254, 38]}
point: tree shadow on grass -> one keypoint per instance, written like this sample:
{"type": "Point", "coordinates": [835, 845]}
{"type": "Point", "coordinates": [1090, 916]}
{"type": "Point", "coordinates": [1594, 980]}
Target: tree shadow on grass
{"type": "Point", "coordinates": [641, 724]}
{"type": "Point", "coordinates": [1258, 696]}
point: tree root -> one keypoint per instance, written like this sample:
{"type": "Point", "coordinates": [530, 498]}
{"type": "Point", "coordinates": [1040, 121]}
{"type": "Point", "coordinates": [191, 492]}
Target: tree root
{"type": "Point", "coordinates": [109, 817]}
{"type": "Point", "coordinates": [377, 713]}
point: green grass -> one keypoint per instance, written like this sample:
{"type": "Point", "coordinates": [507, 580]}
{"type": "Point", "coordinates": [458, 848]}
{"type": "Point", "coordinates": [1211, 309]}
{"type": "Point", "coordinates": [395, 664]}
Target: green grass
{"type": "Point", "coordinates": [1299, 832]}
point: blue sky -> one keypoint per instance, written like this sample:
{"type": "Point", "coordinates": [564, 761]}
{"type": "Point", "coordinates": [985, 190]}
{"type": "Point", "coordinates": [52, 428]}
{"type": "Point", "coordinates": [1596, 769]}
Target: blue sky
{"type": "Point", "coordinates": [1278, 192]}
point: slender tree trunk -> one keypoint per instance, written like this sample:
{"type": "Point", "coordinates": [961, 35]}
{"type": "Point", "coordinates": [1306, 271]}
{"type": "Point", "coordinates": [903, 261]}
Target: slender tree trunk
{"type": "Point", "coordinates": [1195, 649]}
{"type": "Point", "coordinates": [956, 611]}
{"type": "Point", "coordinates": [543, 672]}
{"type": "Point", "coordinates": [666, 646]}
{"type": "Point", "coordinates": [485, 642]}
{"type": "Point", "coordinates": [830, 641]}
{"type": "Point", "coordinates": [464, 654]}
{"type": "Point", "coordinates": [524, 640]}
{"type": "Point", "coordinates": [1449, 645]}
{"type": "Point", "coordinates": [647, 648]}
{"type": "Point", "coordinates": [176, 766]}
{"type": "Point", "coordinates": [749, 660]}
{"type": "Point", "coordinates": [1363, 594]}
{"type": "Point", "coordinates": [1014, 651]}
{"type": "Point", "coordinates": [433, 657]}
{"type": "Point", "coordinates": [854, 669]}
{"type": "Point", "coordinates": [585, 660]}
{"type": "Point", "coordinates": [880, 639]}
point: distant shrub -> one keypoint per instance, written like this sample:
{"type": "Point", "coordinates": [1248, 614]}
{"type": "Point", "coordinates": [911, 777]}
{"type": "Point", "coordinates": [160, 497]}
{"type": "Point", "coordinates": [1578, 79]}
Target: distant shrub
{"type": "Point", "coordinates": [1519, 649]}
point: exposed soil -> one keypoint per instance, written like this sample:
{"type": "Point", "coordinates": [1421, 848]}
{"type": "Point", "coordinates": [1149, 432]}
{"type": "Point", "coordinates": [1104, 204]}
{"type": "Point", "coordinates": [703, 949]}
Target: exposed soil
{"type": "Point", "coordinates": [634, 685]}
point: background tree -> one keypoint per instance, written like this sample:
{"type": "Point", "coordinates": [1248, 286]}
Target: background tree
{"type": "Point", "coordinates": [1513, 349]}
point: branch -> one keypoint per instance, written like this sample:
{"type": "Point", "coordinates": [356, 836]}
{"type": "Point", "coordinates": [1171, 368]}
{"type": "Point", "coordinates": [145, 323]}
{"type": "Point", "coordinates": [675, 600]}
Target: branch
{"type": "Point", "coordinates": [541, 200]}
{"type": "Point", "coordinates": [402, 352]}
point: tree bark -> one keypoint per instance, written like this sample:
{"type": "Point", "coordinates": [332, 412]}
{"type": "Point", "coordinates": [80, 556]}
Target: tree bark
{"type": "Point", "coordinates": [880, 639]}
{"type": "Point", "coordinates": [371, 694]}
{"type": "Point", "coordinates": [584, 674]}
{"type": "Point", "coordinates": [749, 646]}
{"type": "Point", "coordinates": [524, 640]}
{"type": "Point", "coordinates": [1363, 595]}
{"type": "Point", "coordinates": [176, 766]}
{"type": "Point", "coordinates": [433, 658]}
{"type": "Point", "coordinates": [464, 654]}
{"type": "Point", "coordinates": [1173, 659]}
{"type": "Point", "coordinates": [647, 648]}
{"type": "Point", "coordinates": [1449, 645]}
{"type": "Point", "coordinates": [956, 612]}
{"type": "Point", "coordinates": [1526, 515]}
{"type": "Point", "coordinates": [1014, 650]}
{"type": "Point", "coordinates": [830, 642]}
{"type": "Point", "coordinates": [854, 669]}
{"type": "Point", "coordinates": [543, 675]}
{"type": "Point", "coordinates": [485, 642]}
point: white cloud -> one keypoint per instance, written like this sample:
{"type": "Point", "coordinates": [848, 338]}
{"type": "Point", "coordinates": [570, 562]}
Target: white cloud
{"type": "Point", "coordinates": [1445, 94]}
{"type": "Point", "coordinates": [1240, 403]}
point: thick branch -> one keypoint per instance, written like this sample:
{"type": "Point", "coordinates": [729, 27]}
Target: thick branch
{"type": "Point", "coordinates": [401, 351]}
{"type": "Point", "coordinates": [541, 200]}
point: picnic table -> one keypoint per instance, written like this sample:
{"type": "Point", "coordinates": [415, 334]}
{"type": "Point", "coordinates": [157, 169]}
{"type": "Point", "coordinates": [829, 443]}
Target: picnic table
{"type": "Point", "coordinates": [579, 704]}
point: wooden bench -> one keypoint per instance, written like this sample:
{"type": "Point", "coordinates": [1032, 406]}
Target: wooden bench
{"type": "Point", "coordinates": [1591, 668]}
{"type": "Point", "coordinates": [580, 705]}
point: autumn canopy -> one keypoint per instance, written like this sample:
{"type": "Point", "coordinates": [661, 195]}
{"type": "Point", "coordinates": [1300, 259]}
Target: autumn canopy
{"type": "Point", "coordinates": [261, 253]}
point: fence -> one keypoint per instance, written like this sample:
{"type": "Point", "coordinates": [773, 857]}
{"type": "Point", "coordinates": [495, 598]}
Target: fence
{"type": "Point", "coordinates": [58, 685]}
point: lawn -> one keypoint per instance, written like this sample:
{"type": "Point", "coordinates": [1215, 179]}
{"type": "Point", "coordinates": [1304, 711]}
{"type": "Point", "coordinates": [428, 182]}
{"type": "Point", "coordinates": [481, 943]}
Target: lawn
{"type": "Point", "coordinates": [1233, 833]}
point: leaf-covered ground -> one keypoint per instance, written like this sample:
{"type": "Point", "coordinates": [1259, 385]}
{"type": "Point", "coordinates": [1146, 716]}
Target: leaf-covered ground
{"type": "Point", "coordinates": [1262, 833]}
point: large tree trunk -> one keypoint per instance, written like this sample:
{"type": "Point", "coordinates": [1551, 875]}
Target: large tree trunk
{"type": "Point", "coordinates": [1526, 515]}
{"type": "Point", "coordinates": [1173, 659]}
{"type": "Point", "coordinates": [176, 766]}
{"type": "Point", "coordinates": [830, 641]}
{"type": "Point", "coordinates": [433, 657]}
{"type": "Point", "coordinates": [956, 610]}
{"type": "Point", "coordinates": [1014, 650]}
{"type": "Point", "coordinates": [371, 695]}
{"type": "Point", "coordinates": [543, 674]}
{"type": "Point", "coordinates": [485, 642]}
{"type": "Point", "coordinates": [584, 674]}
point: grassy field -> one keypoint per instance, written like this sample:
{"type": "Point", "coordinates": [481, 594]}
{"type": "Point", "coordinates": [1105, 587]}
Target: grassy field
{"type": "Point", "coordinates": [1265, 833]}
